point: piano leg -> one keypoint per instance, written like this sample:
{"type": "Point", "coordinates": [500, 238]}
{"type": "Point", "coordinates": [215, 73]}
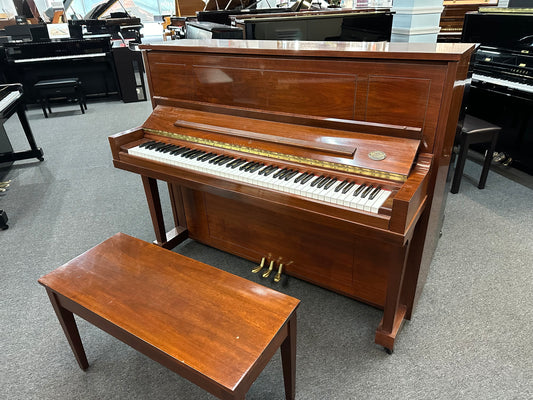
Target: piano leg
{"type": "Point", "coordinates": [164, 239]}
{"type": "Point", "coordinates": [394, 311]}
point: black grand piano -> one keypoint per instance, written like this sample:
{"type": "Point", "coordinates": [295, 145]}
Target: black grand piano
{"type": "Point", "coordinates": [502, 79]}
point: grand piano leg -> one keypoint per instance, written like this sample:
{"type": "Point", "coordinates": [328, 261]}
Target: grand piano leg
{"type": "Point", "coordinates": [175, 236]}
{"type": "Point", "coordinates": [394, 311]}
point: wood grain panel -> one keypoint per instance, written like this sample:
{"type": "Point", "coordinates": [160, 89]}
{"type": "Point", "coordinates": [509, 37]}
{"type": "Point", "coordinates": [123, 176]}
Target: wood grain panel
{"type": "Point", "coordinates": [277, 90]}
{"type": "Point", "coordinates": [305, 248]}
{"type": "Point", "coordinates": [396, 100]}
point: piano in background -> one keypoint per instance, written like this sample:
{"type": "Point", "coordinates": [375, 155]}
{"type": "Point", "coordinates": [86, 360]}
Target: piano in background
{"type": "Point", "coordinates": [453, 15]}
{"type": "Point", "coordinates": [11, 102]}
{"type": "Point", "coordinates": [90, 60]}
{"type": "Point", "coordinates": [327, 157]}
{"type": "Point", "coordinates": [502, 79]}
{"type": "Point", "coordinates": [369, 25]}
{"type": "Point", "coordinates": [119, 24]}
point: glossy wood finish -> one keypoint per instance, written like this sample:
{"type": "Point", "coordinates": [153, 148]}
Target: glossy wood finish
{"type": "Point", "coordinates": [336, 93]}
{"type": "Point", "coordinates": [213, 328]}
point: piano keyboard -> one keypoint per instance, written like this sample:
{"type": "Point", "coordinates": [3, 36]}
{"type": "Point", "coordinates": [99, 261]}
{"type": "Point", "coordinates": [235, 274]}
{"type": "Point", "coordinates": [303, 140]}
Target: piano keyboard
{"type": "Point", "coordinates": [9, 99]}
{"type": "Point", "coordinates": [76, 56]}
{"type": "Point", "coordinates": [325, 188]}
{"type": "Point", "coordinates": [503, 82]}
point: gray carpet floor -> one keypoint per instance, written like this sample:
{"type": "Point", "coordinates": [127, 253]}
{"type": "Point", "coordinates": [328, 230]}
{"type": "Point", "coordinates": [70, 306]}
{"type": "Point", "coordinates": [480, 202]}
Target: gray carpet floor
{"type": "Point", "coordinates": [470, 336]}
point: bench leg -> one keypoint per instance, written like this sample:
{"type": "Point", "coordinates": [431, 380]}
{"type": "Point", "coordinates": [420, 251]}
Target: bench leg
{"type": "Point", "coordinates": [288, 359]}
{"type": "Point", "coordinates": [43, 106]}
{"type": "Point", "coordinates": [68, 323]}
{"type": "Point", "coordinates": [460, 166]}
{"type": "Point", "coordinates": [486, 164]}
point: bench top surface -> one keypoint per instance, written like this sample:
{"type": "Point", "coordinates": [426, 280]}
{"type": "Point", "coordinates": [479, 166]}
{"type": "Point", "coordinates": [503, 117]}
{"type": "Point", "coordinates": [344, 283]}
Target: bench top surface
{"type": "Point", "coordinates": [210, 320]}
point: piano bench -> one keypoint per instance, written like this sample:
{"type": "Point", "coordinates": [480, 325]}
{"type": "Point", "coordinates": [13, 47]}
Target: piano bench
{"type": "Point", "coordinates": [213, 328]}
{"type": "Point", "coordinates": [69, 88]}
{"type": "Point", "coordinates": [474, 131]}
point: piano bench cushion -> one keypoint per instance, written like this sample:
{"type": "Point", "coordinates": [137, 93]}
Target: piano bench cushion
{"type": "Point", "coordinates": [472, 125]}
{"type": "Point", "coordinates": [47, 84]}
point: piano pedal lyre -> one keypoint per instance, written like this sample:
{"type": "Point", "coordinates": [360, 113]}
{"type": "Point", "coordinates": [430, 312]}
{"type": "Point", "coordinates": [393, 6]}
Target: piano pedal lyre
{"type": "Point", "coordinates": [269, 270]}
{"type": "Point", "coordinates": [277, 277]}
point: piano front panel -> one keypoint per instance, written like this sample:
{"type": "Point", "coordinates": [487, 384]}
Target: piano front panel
{"type": "Point", "coordinates": [318, 253]}
{"type": "Point", "coordinates": [386, 92]}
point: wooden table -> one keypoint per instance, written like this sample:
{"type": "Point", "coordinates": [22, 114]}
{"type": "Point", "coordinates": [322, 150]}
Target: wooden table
{"type": "Point", "coordinates": [213, 328]}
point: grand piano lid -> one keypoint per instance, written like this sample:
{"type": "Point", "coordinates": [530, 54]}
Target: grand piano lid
{"type": "Point", "coordinates": [366, 154]}
{"type": "Point", "coordinates": [101, 8]}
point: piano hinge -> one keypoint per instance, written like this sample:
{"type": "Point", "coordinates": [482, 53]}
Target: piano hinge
{"type": "Point", "coordinates": [280, 156]}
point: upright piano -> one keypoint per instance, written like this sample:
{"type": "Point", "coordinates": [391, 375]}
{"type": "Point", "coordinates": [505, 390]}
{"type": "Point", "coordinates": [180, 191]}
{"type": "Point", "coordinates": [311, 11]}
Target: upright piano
{"type": "Point", "coordinates": [323, 161]}
{"type": "Point", "coordinates": [502, 78]}
{"type": "Point", "coordinates": [90, 60]}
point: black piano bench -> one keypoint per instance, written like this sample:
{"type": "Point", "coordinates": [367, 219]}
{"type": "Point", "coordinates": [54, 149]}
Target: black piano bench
{"type": "Point", "coordinates": [69, 88]}
{"type": "Point", "coordinates": [474, 131]}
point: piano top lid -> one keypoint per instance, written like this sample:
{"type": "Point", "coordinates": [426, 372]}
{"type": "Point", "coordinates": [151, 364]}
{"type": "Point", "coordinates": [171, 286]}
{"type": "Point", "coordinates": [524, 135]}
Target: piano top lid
{"type": "Point", "coordinates": [374, 50]}
{"type": "Point", "coordinates": [354, 152]}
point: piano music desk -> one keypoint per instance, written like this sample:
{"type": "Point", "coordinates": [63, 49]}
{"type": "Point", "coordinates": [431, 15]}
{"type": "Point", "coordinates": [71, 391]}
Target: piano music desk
{"type": "Point", "coordinates": [213, 328]}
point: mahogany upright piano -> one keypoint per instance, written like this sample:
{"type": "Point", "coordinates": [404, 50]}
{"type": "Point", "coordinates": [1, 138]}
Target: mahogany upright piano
{"type": "Point", "coordinates": [326, 161]}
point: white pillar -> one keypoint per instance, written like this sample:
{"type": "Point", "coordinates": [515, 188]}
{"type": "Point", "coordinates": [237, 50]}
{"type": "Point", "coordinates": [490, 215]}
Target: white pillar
{"type": "Point", "coordinates": [416, 20]}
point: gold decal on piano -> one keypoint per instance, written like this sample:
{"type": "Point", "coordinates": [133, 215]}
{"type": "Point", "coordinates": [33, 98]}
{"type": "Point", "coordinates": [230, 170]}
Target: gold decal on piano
{"type": "Point", "coordinates": [287, 157]}
{"type": "Point", "coordinates": [377, 155]}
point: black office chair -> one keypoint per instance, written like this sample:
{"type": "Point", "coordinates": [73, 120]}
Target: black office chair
{"type": "Point", "coordinates": [474, 131]}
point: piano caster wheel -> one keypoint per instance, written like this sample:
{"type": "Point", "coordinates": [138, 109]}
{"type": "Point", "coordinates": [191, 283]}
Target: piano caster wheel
{"type": "Point", "coordinates": [388, 351]}
{"type": "Point", "coordinates": [41, 158]}
{"type": "Point", "coordinates": [269, 271]}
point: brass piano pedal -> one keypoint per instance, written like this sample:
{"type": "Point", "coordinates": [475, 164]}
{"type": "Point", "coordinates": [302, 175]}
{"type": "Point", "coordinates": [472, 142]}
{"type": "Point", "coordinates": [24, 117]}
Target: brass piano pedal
{"type": "Point", "coordinates": [4, 184]}
{"type": "Point", "coordinates": [277, 277]}
{"type": "Point", "coordinates": [2, 190]}
{"type": "Point", "coordinates": [260, 266]}
{"type": "Point", "coordinates": [269, 270]}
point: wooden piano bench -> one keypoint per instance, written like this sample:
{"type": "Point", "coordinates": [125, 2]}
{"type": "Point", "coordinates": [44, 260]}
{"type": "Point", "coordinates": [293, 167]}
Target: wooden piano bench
{"type": "Point", "coordinates": [474, 131]}
{"type": "Point", "coordinates": [69, 88]}
{"type": "Point", "coordinates": [213, 328]}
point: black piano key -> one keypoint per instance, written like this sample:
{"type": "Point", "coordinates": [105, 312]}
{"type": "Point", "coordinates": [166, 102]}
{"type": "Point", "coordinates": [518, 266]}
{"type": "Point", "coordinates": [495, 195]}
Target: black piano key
{"type": "Point", "coordinates": [374, 193]}
{"type": "Point", "coordinates": [348, 187]}
{"type": "Point", "coordinates": [224, 161]}
{"type": "Point", "coordinates": [204, 156]}
{"type": "Point", "coordinates": [291, 175]}
{"type": "Point", "coordinates": [208, 157]}
{"type": "Point", "coordinates": [182, 150]}
{"type": "Point", "coordinates": [217, 158]}
{"type": "Point", "coordinates": [359, 190]}
{"type": "Point", "coordinates": [147, 143]}
{"type": "Point", "coordinates": [317, 180]}
{"type": "Point", "coordinates": [341, 185]}
{"type": "Point", "coordinates": [300, 177]}
{"type": "Point", "coordinates": [231, 163]}
{"type": "Point", "coordinates": [256, 167]}
{"type": "Point", "coordinates": [270, 171]}
{"type": "Point", "coordinates": [286, 173]}
{"type": "Point", "coordinates": [306, 179]}
{"type": "Point", "coordinates": [323, 183]}
{"type": "Point", "coordinates": [185, 154]}
{"type": "Point", "coordinates": [330, 183]}
{"type": "Point", "coordinates": [264, 169]}
{"type": "Point", "coordinates": [158, 146]}
{"type": "Point", "coordinates": [194, 153]}
{"type": "Point", "coordinates": [239, 163]}
{"type": "Point", "coordinates": [249, 163]}
{"type": "Point", "coordinates": [279, 172]}
{"type": "Point", "coordinates": [367, 191]}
